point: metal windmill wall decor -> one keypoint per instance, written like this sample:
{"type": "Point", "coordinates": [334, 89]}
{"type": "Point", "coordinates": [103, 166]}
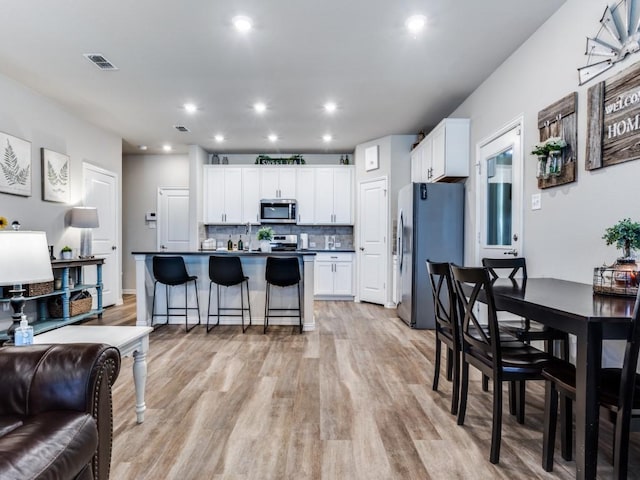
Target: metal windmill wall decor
{"type": "Point", "coordinates": [618, 37]}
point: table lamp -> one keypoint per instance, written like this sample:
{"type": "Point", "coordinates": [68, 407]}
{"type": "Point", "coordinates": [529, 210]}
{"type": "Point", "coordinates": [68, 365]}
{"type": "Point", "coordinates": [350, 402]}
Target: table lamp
{"type": "Point", "coordinates": [24, 258]}
{"type": "Point", "coordinates": [85, 218]}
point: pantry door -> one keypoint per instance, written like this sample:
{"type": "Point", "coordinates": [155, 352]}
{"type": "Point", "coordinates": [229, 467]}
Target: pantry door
{"type": "Point", "coordinates": [173, 219]}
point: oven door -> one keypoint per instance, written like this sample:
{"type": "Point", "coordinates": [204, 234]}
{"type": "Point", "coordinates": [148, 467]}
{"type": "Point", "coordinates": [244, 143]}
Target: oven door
{"type": "Point", "coordinates": [277, 211]}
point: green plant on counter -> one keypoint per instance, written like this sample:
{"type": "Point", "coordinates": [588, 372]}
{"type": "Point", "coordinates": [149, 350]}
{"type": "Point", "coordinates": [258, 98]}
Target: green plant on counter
{"type": "Point", "coordinates": [265, 233]}
{"type": "Point", "coordinates": [625, 234]}
{"type": "Point", "coordinates": [66, 248]}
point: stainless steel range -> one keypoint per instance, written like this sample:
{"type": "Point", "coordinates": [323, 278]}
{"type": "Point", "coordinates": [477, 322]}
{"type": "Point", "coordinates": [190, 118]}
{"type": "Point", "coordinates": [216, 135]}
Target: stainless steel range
{"type": "Point", "coordinates": [284, 243]}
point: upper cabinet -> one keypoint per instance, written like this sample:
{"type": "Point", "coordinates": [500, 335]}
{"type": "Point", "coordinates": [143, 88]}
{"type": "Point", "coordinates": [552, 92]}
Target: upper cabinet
{"type": "Point", "coordinates": [222, 195]}
{"type": "Point", "coordinates": [443, 155]}
{"type": "Point", "coordinates": [278, 182]}
{"type": "Point", "coordinates": [333, 195]}
{"type": "Point", "coordinates": [232, 194]}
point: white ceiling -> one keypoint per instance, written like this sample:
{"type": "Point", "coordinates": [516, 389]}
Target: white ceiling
{"type": "Point", "coordinates": [300, 54]}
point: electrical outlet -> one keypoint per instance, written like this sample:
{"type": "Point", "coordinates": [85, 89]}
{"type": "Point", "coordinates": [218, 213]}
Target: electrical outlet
{"type": "Point", "coordinates": [312, 244]}
{"type": "Point", "coordinates": [536, 201]}
{"type": "Point", "coordinates": [337, 245]}
{"type": "Point", "coordinates": [5, 307]}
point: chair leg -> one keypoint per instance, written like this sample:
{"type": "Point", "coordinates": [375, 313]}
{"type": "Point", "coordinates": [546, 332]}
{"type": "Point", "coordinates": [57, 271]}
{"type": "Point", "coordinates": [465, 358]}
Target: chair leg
{"type": "Point", "coordinates": [496, 430]}
{"type": "Point", "coordinates": [299, 308]}
{"type": "Point", "coordinates": [464, 387]}
{"type": "Point", "coordinates": [266, 309]}
{"type": "Point", "coordinates": [242, 306]}
{"type": "Point", "coordinates": [153, 304]}
{"type": "Point", "coordinates": [564, 355]}
{"type": "Point", "coordinates": [209, 310]}
{"type": "Point", "coordinates": [621, 445]}
{"type": "Point", "coordinates": [520, 403]}
{"type": "Point", "coordinates": [455, 393]}
{"type": "Point", "coordinates": [566, 427]}
{"type": "Point", "coordinates": [550, 418]}
{"type": "Point", "coordinates": [186, 307]}
{"type": "Point", "coordinates": [436, 364]}
{"type": "Point", "coordinates": [485, 383]}
{"type": "Point", "coordinates": [249, 302]}
{"type": "Point", "coordinates": [512, 398]}
{"type": "Point", "coordinates": [449, 364]}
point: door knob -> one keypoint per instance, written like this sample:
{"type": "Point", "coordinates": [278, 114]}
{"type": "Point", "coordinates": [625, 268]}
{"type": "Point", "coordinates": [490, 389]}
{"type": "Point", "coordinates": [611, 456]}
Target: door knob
{"type": "Point", "coordinates": [113, 247]}
{"type": "Point", "coordinates": [362, 249]}
{"type": "Point", "coordinates": [513, 252]}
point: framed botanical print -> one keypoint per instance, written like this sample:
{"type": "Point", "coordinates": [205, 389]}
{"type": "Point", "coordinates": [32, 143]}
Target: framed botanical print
{"type": "Point", "coordinates": [15, 165]}
{"type": "Point", "coordinates": [55, 176]}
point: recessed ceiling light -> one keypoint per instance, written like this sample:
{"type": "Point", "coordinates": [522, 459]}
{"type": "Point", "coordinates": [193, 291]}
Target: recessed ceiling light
{"type": "Point", "coordinates": [273, 137]}
{"type": "Point", "coordinates": [219, 138]}
{"type": "Point", "coordinates": [330, 107]}
{"type": "Point", "coordinates": [142, 147]}
{"type": "Point", "coordinates": [259, 107]}
{"type": "Point", "coordinates": [327, 138]}
{"type": "Point", "coordinates": [190, 107]}
{"type": "Point", "coordinates": [166, 148]}
{"type": "Point", "coordinates": [415, 23]}
{"type": "Point", "coordinates": [243, 24]}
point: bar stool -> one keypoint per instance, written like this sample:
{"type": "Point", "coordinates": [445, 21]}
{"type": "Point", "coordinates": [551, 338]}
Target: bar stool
{"type": "Point", "coordinates": [281, 272]}
{"type": "Point", "coordinates": [171, 272]}
{"type": "Point", "coordinates": [227, 271]}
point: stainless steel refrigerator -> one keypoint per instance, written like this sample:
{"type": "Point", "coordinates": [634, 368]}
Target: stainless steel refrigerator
{"type": "Point", "coordinates": [430, 226]}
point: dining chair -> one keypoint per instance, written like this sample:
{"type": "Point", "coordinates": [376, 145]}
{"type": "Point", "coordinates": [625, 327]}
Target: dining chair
{"type": "Point", "coordinates": [619, 394]}
{"type": "Point", "coordinates": [502, 360]}
{"type": "Point", "coordinates": [447, 328]}
{"type": "Point", "coordinates": [523, 329]}
{"type": "Point", "coordinates": [282, 272]}
{"type": "Point", "coordinates": [227, 271]}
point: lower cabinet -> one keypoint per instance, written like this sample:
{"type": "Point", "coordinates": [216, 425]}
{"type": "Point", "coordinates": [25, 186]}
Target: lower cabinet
{"type": "Point", "coordinates": [333, 276]}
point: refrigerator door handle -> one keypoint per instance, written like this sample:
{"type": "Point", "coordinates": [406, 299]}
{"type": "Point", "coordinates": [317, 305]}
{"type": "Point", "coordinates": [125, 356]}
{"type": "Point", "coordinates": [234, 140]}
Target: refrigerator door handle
{"type": "Point", "coordinates": [401, 240]}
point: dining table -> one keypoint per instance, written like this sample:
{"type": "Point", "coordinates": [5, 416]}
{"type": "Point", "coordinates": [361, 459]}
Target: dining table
{"type": "Point", "coordinates": [573, 307]}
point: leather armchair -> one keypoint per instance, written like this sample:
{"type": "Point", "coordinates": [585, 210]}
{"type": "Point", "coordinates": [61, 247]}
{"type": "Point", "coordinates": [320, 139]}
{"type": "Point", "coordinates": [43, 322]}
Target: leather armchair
{"type": "Point", "coordinates": [56, 411]}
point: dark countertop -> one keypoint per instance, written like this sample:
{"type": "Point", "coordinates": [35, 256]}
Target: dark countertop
{"type": "Point", "coordinates": [335, 250]}
{"type": "Point", "coordinates": [296, 253]}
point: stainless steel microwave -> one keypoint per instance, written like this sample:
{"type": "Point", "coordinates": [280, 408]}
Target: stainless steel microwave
{"type": "Point", "coordinates": [278, 210]}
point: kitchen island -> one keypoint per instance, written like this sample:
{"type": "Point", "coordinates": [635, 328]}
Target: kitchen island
{"type": "Point", "coordinates": [253, 265]}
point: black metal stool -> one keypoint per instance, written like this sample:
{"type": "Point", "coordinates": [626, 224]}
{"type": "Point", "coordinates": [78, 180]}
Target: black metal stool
{"type": "Point", "coordinates": [227, 271]}
{"type": "Point", "coordinates": [281, 272]}
{"type": "Point", "coordinates": [171, 272]}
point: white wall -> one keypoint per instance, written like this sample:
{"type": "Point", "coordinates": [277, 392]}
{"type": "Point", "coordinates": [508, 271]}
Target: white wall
{"type": "Point", "coordinates": [564, 238]}
{"type": "Point", "coordinates": [39, 120]}
{"type": "Point", "coordinates": [143, 174]}
{"type": "Point", "coordinates": [309, 158]}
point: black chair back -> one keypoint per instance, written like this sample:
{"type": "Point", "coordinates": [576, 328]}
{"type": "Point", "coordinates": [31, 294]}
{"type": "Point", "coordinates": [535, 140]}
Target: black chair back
{"type": "Point", "coordinates": [170, 270]}
{"type": "Point", "coordinates": [282, 272]}
{"type": "Point", "coordinates": [225, 270]}
{"type": "Point", "coordinates": [444, 300]}
{"type": "Point", "coordinates": [470, 283]}
{"type": "Point", "coordinates": [511, 264]}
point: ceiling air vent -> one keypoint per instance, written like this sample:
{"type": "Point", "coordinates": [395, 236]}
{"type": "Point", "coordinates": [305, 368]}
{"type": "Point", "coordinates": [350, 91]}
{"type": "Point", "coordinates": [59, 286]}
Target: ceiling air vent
{"type": "Point", "coordinates": [181, 128]}
{"type": "Point", "coordinates": [100, 61]}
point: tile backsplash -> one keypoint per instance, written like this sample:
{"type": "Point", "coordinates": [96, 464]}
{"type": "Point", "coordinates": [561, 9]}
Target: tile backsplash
{"type": "Point", "coordinates": [220, 233]}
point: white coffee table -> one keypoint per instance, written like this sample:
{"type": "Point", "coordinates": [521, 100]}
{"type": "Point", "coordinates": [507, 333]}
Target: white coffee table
{"type": "Point", "coordinates": [129, 340]}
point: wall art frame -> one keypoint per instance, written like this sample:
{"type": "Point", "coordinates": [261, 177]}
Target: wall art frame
{"type": "Point", "coordinates": [15, 165]}
{"type": "Point", "coordinates": [56, 170]}
{"type": "Point", "coordinates": [613, 120]}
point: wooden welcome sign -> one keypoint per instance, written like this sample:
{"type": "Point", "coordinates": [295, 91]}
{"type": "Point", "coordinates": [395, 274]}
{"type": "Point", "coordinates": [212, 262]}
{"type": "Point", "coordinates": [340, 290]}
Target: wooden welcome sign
{"type": "Point", "coordinates": [614, 120]}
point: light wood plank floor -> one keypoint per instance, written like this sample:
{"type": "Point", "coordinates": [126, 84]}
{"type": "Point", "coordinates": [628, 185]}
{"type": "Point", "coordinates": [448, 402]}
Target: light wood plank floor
{"type": "Point", "coordinates": [351, 400]}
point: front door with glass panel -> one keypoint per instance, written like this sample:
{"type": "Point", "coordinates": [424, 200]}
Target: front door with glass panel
{"type": "Point", "coordinates": [499, 202]}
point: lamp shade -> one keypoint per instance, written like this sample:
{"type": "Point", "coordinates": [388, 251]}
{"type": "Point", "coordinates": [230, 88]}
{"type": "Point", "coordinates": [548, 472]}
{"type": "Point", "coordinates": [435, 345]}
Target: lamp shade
{"type": "Point", "coordinates": [84, 217]}
{"type": "Point", "coordinates": [24, 258]}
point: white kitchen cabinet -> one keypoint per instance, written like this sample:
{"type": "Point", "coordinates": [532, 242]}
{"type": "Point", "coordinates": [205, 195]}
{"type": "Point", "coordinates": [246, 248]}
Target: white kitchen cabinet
{"type": "Point", "coordinates": [251, 195]}
{"type": "Point", "coordinates": [222, 195]}
{"type": "Point", "coordinates": [443, 155]}
{"type": "Point", "coordinates": [333, 272]}
{"type": "Point", "coordinates": [278, 182]}
{"type": "Point", "coordinates": [306, 195]}
{"type": "Point", "coordinates": [333, 195]}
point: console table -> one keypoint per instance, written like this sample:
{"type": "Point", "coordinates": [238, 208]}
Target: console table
{"type": "Point", "coordinates": [63, 269]}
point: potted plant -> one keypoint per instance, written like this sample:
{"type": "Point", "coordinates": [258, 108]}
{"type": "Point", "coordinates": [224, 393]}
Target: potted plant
{"type": "Point", "coordinates": [555, 146]}
{"type": "Point", "coordinates": [265, 235]}
{"type": "Point", "coordinates": [541, 150]}
{"type": "Point", "coordinates": [66, 252]}
{"type": "Point", "coordinates": [626, 235]}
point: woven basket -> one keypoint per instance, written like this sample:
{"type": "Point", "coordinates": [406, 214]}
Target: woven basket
{"type": "Point", "coordinates": [76, 307]}
{"type": "Point", "coordinates": [35, 289]}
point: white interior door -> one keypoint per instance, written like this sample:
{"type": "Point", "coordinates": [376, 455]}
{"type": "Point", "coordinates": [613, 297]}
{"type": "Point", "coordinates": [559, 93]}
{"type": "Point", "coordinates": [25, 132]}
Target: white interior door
{"type": "Point", "coordinates": [100, 190]}
{"type": "Point", "coordinates": [173, 219]}
{"type": "Point", "coordinates": [373, 251]}
{"type": "Point", "coordinates": [500, 194]}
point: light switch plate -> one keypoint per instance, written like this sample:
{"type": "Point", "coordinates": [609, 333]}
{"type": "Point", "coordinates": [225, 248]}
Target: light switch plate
{"type": "Point", "coordinates": [312, 244]}
{"type": "Point", "coordinates": [536, 201]}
